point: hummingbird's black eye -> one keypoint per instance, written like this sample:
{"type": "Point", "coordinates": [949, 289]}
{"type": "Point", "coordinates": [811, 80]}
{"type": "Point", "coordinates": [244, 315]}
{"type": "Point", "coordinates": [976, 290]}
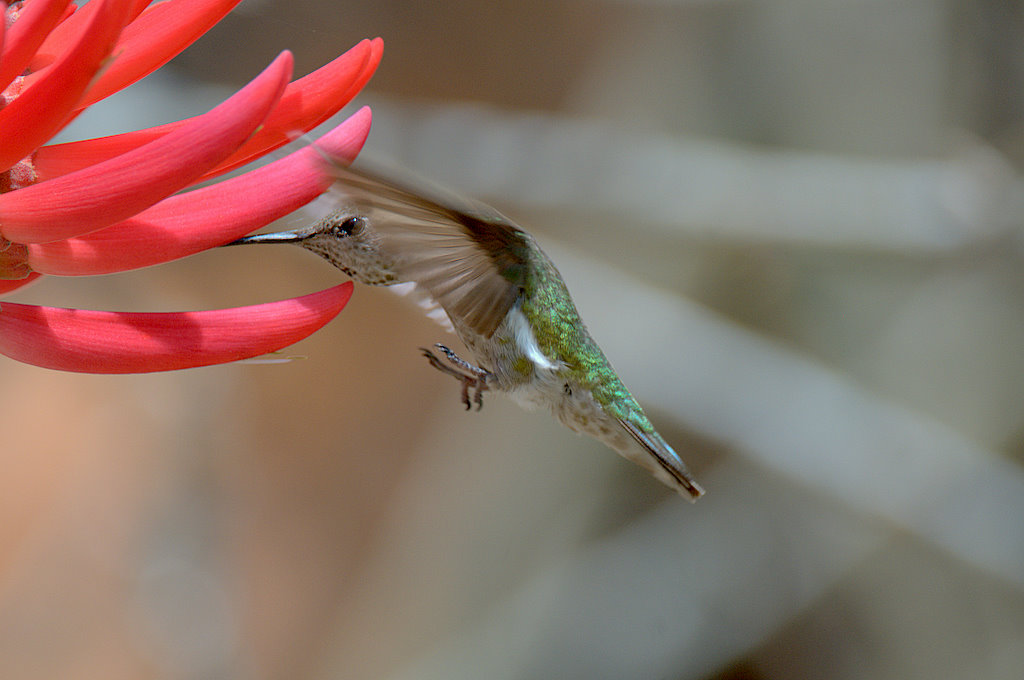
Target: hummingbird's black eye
{"type": "Point", "coordinates": [350, 226]}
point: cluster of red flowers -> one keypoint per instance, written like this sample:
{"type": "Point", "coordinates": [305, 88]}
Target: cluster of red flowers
{"type": "Point", "coordinates": [107, 205]}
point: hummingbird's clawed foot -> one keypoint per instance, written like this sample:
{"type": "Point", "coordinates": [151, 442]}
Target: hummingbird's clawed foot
{"type": "Point", "coordinates": [474, 378]}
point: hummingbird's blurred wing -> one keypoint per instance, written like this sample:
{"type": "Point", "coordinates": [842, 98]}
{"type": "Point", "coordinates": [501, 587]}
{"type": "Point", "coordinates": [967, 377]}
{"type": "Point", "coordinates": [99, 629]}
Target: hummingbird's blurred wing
{"type": "Point", "coordinates": [467, 256]}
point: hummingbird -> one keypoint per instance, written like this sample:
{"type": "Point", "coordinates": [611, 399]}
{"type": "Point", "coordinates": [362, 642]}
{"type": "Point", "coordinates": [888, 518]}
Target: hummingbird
{"type": "Point", "coordinates": [502, 296]}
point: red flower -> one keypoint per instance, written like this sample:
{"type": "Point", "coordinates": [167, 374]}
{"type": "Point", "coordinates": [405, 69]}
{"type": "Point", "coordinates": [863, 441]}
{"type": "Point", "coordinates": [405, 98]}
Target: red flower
{"type": "Point", "coordinates": [105, 205]}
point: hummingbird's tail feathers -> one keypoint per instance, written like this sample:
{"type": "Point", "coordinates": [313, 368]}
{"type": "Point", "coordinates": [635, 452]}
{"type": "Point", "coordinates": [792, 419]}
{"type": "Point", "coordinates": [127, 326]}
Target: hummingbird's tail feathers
{"type": "Point", "coordinates": [668, 460]}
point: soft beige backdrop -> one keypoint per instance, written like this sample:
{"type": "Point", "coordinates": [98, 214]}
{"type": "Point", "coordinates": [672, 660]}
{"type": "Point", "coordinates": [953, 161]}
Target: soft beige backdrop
{"type": "Point", "coordinates": [794, 226]}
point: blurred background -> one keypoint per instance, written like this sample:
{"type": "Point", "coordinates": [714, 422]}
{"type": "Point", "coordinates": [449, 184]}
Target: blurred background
{"type": "Point", "coordinates": [793, 225]}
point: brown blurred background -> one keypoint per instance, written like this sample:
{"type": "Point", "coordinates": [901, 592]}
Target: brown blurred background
{"type": "Point", "coordinates": [794, 226]}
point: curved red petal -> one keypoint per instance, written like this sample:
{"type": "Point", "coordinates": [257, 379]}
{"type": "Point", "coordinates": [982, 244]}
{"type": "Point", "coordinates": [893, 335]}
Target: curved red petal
{"type": "Point", "coordinates": [70, 10]}
{"type": "Point", "coordinates": [8, 286]}
{"type": "Point", "coordinates": [315, 98]}
{"type": "Point", "coordinates": [100, 195]}
{"type": "Point", "coordinates": [87, 341]}
{"type": "Point", "coordinates": [153, 39]}
{"type": "Point", "coordinates": [53, 160]}
{"type": "Point", "coordinates": [70, 29]}
{"type": "Point", "coordinates": [308, 102]}
{"type": "Point", "coordinates": [211, 216]}
{"type": "Point", "coordinates": [34, 23]}
{"type": "Point", "coordinates": [45, 106]}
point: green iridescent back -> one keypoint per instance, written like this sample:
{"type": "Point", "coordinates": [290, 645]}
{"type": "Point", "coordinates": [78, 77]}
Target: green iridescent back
{"type": "Point", "coordinates": [561, 334]}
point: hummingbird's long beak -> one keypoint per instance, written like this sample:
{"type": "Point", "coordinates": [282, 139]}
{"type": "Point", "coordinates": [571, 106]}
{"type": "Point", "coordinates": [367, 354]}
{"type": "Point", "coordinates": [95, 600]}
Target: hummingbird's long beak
{"type": "Point", "coordinates": [277, 237]}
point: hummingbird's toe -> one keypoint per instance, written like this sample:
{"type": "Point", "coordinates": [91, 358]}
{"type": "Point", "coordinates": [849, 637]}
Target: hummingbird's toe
{"type": "Point", "coordinates": [476, 380]}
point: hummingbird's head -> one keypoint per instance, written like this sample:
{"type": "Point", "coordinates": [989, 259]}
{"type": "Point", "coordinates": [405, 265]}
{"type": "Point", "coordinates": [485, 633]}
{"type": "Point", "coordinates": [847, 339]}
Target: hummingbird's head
{"type": "Point", "coordinates": [334, 227]}
{"type": "Point", "coordinates": [343, 239]}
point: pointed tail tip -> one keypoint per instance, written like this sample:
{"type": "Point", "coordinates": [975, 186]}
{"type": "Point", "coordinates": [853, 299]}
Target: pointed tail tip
{"type": "Point", "coordinates": [670, 470]}
{"type": "Point", "coordinates": [691, 490]}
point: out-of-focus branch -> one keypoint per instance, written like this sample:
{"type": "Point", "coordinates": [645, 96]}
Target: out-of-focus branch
{"type": "Point", "coordinates": [712, 189]}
